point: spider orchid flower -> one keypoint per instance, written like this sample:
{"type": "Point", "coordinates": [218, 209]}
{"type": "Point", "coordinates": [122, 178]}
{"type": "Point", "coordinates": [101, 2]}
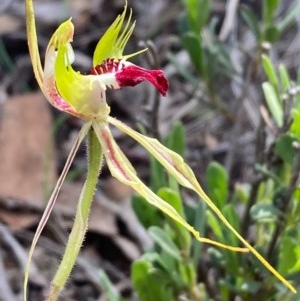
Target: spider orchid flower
{"type": "Point", "coordinates": [84, 96]}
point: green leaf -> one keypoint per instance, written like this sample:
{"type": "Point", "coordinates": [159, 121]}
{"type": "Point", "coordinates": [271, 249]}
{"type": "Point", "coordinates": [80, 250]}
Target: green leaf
{"type": "Point", "coordinates": [297, 96]}
{"type": "Point", "coordinates": [216, 256]}
{"type": "Point", "coordinates": [270, 71]}
{"type": "Point", "coordinates": [251, 20]}
{"type": "Point", "coordinates": [199, 222]}
{"type": "Point", "coordinates": [217, 58]}
{"type": "Point", "coordinates": [187, 274]}
{"type": "Point", "coordinates": [172, 198]}
{"type": "Point", "coordinates": [109, 290]}
{"type": "Point", "coordinates": [284, 148]}
{"type": "Point", "coordinates": [242, 192]}
{"type": "Point", "coordinates": [157, 174]}
{"type": "Point", "coordinates": [148, 283]}
{"type": "Point", "coordinates": [284, 78]}
{"type": "Point", "coordinates": [147, 214]}
{"type": "Point", "coordinates": [251, 287]}
{"type": "Point", "coordinates": [165, 242]}
{"type": "Point", "coordinates": [198, 12]}
{"type": "Point", "coordinates": [183, 237]}
{"type": "Point", "coordinates": [296, 196]}
{"type": "Point", "coordinates": [217, 183]}
{"type": "Point", "coordinates": [230, 214]}
{"type": "Point", "coordinates": [290, 17]}
{"type": "Point", "coordinates": [215, 225]}
{"type": "Point", "coordinates": [224, 290]}
{"type": "Point", "coordinates": [176, 139]}
{"type": "Point", "coordinates": [273, 103]}
{"type": "Point", "coordinates": [295, 126]}
{"type": "Point", "coordinates": [272, 34]}
{"type": "Point", "coordinates": [264, 213]}
{"type": "Point", "coordinates": [232, 261]}
{"type": "Point", "coordinates": [192, 43]}
{"type": "Point", "coordinates": [204, 8]}
{"type": "Point", "coordinates": [288, 254]}
{"type": "Point", "coordinates": [166, 262]}
{"type": "Point", "coordinates": [269, 8]}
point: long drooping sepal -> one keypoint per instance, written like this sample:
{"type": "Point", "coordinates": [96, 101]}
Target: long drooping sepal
{"type": "Point", "coordinates": [176, 166]}
{"type": "Point", "coordinates": [122, 170]}
{"type": "Point", "coordinates": [81, 218]}
{"type": "Point", "coordinates": [84, 130]}
{"type": "Point", "coordinates": [114, 40]}
{"type": "Point", "coordinates": [33, 43]}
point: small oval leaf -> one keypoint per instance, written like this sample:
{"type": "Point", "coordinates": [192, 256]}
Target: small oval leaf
{"type": "Point", "coordinates": [164, 241]}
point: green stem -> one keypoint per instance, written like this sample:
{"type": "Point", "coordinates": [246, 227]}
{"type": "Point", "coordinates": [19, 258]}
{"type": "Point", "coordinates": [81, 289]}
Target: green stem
{"type": "Point", "coordinates": [81, 218]}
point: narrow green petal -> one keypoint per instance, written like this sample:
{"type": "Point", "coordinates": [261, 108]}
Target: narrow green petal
{"type": "Point", "coordinates": [176, 166]}
{"type": "Point", "coordinates": [122, 170]}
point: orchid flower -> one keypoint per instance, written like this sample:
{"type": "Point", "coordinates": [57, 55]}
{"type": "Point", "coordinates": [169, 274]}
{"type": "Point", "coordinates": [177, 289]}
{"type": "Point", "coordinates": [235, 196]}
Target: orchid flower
{"type": "Point", "coordinates": [84, 96]}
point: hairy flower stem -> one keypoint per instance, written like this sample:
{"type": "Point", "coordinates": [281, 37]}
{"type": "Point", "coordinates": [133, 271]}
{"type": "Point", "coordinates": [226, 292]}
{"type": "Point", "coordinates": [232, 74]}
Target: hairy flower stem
{"type": "Point", "coordinates": [81, 218]}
